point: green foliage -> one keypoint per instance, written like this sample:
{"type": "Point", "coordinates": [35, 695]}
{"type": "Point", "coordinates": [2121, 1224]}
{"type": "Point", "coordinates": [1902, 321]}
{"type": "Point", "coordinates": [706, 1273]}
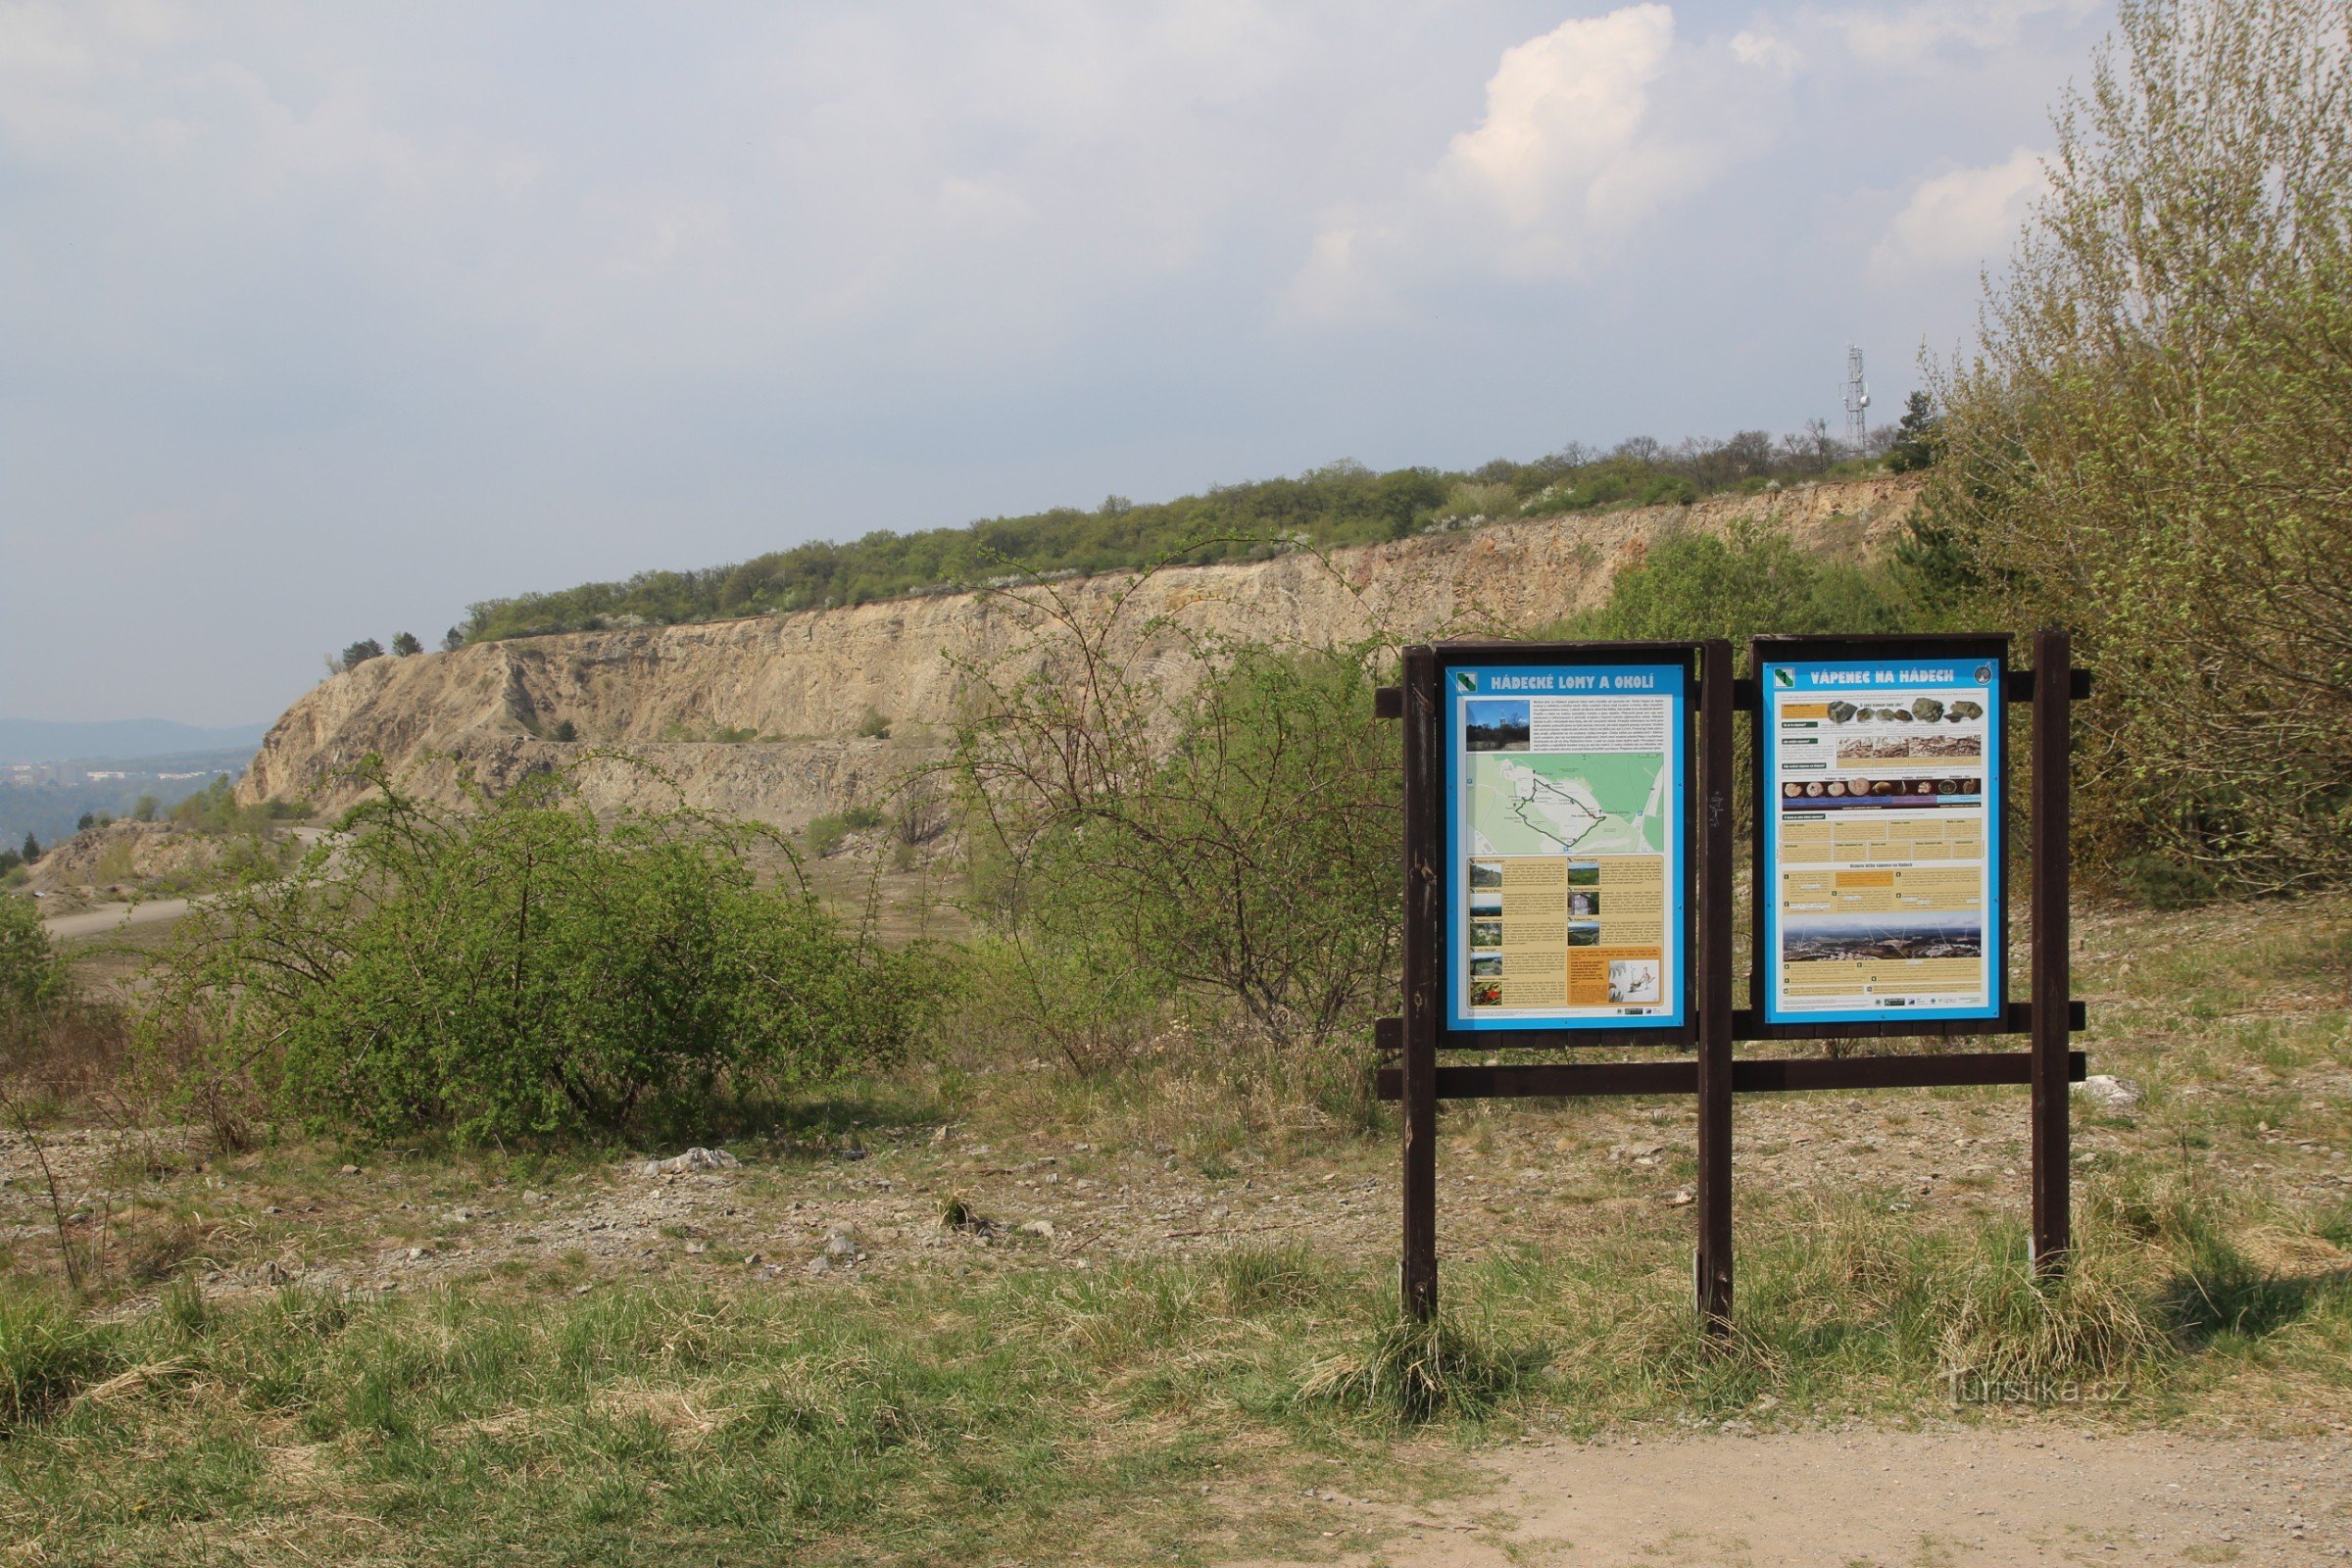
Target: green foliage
{"type": "Point", "coordinates": [1749, 581]}
{"type": "Point", "coordinates": [824, 834]}
{"type": "Point", "coordinates": [31, 851]}
{"type": "Point", "coordinates": [2153, 442]}
{"type": "Point", "coordinates": [1915, 436]}
{"type": "Point", "coordinates": [1340, 504]}
{"type": "Point", "coordinates": [32, 974]}
{"type": "Point", "coordinates": [1250, 864]}
{"type": "Point", "coordinates": [564, 731]}
{"type": "Point", "coordinates": [521, 969]}
{"type": "Point", "coordinates": [873, 726]}
{"type": "Point", "coordinates": [143, 808]}
{"type": "Point", "coordinates": [405, 644]}
{"type": "Point", "coordinates": [358, 652]}
{"type": "Point", "coordinates": [214, 809]}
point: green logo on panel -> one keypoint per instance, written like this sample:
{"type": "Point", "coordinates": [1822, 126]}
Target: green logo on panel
{"type": "Point", "coordinates": [1464, 681]}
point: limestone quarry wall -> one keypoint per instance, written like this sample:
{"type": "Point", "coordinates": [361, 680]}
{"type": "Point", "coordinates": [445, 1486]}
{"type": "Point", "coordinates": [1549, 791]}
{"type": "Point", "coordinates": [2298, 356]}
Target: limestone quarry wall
{"type": "Point", "coordinates": [805, 682]}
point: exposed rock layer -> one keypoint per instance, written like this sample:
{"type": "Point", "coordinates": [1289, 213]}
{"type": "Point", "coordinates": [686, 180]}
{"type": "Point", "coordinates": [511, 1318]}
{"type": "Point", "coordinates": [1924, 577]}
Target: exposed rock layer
{"type": "Point", "coordinates": [806, 682]}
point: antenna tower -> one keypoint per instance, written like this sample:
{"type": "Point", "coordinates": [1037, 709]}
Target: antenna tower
{"type": "Point", "coordinates": [1857, 400]}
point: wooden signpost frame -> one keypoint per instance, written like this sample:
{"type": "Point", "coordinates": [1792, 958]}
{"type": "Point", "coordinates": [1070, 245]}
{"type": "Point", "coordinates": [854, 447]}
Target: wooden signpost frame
{"type": "Point", "coordinates": [1712, 1074]}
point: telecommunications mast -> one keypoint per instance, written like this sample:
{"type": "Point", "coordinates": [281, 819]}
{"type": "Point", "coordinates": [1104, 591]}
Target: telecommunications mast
{"type": "Point", "coordinates": [1857, 400]}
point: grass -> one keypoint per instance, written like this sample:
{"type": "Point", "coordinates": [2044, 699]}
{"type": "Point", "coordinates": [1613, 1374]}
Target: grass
{"type": "Point", "coordinates": [1047, 1414]}
{"type": "Point", "coordinates": [981, 1402]}
{"type": "Point", "coordinates": [927, 1425]}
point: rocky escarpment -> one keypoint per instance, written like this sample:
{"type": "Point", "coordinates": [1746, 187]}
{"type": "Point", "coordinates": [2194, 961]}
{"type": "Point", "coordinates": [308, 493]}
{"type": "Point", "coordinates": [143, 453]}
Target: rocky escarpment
{"type": "Point", "coordinates": [804, 685]}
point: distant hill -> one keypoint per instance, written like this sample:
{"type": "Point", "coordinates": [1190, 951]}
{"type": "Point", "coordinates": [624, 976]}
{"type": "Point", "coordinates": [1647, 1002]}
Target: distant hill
{"type": "Point", "coordinates": [1334, 506]}
{"type": "Point", "coordinates": [41, 740]}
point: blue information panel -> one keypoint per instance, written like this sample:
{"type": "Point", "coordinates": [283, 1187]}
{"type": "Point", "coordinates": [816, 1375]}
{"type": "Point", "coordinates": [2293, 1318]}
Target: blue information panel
{"type": "Point", "coordinates": [1565, 846]}
{"type": "Point", "coordinates": [1881, 843]}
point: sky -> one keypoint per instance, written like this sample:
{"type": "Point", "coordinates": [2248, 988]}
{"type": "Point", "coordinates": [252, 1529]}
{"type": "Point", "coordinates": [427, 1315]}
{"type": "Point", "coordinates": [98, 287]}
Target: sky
{"type": "Point", "coordinates": [321, 321]}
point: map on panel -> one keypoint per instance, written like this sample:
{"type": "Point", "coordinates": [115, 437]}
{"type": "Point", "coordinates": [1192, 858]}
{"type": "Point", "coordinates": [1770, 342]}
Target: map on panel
{"type": "Point", "coordinates": [1611, 802]}
{"type": "Point", "coordinates": [1567, 842]}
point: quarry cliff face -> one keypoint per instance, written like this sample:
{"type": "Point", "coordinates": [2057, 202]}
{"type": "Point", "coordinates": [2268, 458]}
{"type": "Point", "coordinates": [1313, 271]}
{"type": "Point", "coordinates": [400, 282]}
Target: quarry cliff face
{"type": "Point", "coordinates": [806, 683]}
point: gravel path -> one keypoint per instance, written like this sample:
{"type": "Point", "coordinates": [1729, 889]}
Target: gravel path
{"type": "Point", "coordinates": [1862, 1497]}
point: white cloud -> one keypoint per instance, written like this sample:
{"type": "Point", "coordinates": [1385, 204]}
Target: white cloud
{"type": "Point", "coordinates": [1765, 50]}
{"type": "Point", "coordinates": [1590, 130]}
{"type": "Point", "coordinates": [1562, 111]}
{"type": "Point", "coordinates": [1960, 220]}
{"type": "Point", "coordinates": [1912, 37]}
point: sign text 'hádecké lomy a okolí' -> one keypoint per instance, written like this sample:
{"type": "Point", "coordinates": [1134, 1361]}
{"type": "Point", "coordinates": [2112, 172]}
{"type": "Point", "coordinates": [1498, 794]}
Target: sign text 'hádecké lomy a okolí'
{"type": "Point", "coordinates": [1567, 847]}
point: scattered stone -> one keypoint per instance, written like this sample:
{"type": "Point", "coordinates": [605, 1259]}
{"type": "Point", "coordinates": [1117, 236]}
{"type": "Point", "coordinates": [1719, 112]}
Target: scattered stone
{"type": "Point", "coordinates": [348, 1171]}
{"type": "Point", "coordinates": [695, 1248]}
{"type": "Point", "coordinates": [753, 1262]}
{"type": "Point", "coordinates": [1679, 1198]}
{"type": "Point", "coordinates": [2109, 1093]}
{"type": "Point", "coordinates": [1220, 1212]}
{"type": "Point", "coordinates": [820, 1266]}
{"type": "Point", "coordinates": [695, 1159]}
{"type": "Point", "coordinates": [1041, 1228]}
{"type": "Point", "coordinates": [840, 1242]}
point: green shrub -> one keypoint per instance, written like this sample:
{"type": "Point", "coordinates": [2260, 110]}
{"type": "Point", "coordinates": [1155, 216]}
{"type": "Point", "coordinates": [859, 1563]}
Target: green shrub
{"type": "Point", "coordinates": [1252, 862]}
{"type": "Point", "coordinates": [519, 968]}
{"type": "Point", "coordinates": [1748, 582]}
{"type": "Point", "coordinates": [31, 975]}
{"type": "Point", "coordinates": [825, 834]}
{"type": "Point", "coordinates": [2148, 443]}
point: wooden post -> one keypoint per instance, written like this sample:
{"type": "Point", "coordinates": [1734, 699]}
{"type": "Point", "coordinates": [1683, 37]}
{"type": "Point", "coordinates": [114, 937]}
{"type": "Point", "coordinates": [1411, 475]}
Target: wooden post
{"type": "Point", "coordinates": [2053, 746]}
{"type": "Point", "coordinates": [1714, 959]}
{"type": "Point", "coordinates": [1423, 838]}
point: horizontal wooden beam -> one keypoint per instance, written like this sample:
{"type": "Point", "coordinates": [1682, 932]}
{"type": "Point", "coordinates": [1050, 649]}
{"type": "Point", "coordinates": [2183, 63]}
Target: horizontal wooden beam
{"type": "Point", "coordinates": [1388, 1034]}
{"type": "Point", "coordinates": [1569, 1079]}
{"type": "Point", "coordinates": [2016, 1020]}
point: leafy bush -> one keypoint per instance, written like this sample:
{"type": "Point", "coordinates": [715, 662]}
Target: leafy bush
{"type": "Point", "coordinates": [519, 968]}
{"type": "Point", "coordinates": [2151, 442]}
{"type": "Point", "coordinates": [31, 975]}
{"type": "Point", "coordinates": [1232, 839]}
{"type": "Point", "coordinates": [1749, 581]}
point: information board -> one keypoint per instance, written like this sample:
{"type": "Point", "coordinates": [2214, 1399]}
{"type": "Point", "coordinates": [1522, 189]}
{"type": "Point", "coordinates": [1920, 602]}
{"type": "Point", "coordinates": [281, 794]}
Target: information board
{"type": "Point", "coordinates": [1566, 845]}
{"type": "Point", "coordinates": [1879, 834]}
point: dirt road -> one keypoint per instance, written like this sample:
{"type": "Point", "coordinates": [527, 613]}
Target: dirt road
{"type": "Point", "coordinates": [1863, 1498]}
{"type": "Point", "coordinates": [107, 919]}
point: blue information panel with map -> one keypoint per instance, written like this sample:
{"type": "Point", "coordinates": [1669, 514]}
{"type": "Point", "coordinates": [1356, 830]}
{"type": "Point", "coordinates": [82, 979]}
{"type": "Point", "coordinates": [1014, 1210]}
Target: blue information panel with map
{"type": "Point", "coordinates": [1879, 838]}
{"type": "Point", "coordinates": [1566, 845]}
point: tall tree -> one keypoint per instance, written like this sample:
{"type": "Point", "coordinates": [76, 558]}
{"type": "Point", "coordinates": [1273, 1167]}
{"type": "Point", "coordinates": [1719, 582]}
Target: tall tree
{"type": "Point", "coordinates": [2153, 440]}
